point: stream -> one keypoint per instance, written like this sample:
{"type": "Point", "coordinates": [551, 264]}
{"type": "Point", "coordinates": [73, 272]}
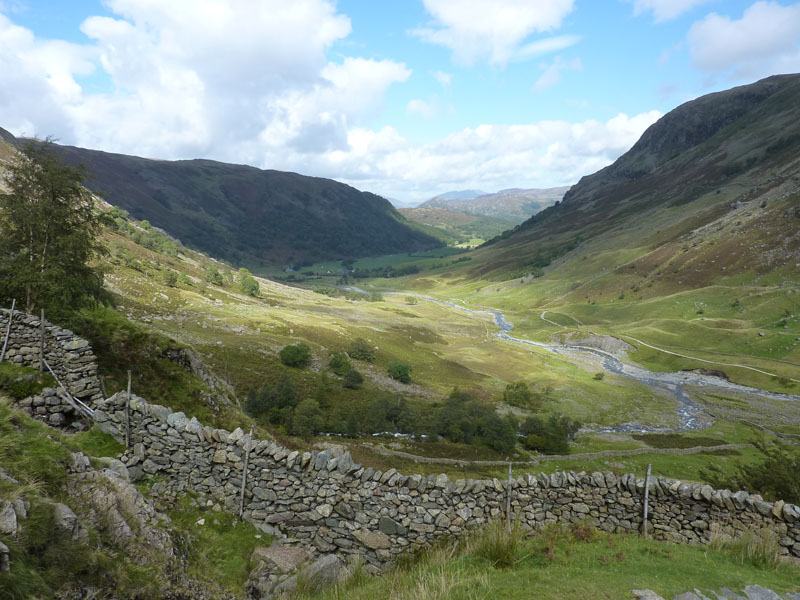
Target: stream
{"type": "Point", "coordinates": [691, 417]}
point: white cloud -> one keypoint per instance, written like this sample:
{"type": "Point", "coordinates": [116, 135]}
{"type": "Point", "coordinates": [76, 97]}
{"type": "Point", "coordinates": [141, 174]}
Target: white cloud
{"type": "Point", "coordinates": [444, 79]}
{"type": "Point", "coordinates": [490, 157]}
{"type": "Point", "coordinates": [765, 41]}
{"type": "Point", "coordinates": [427, 110]}
{"type": "Point", "coordinates": [191, 78]}
{"type": "Point", "coordinates": [496, 31]}
{"type": "Point", "coordinates": [665, 10]}
{"type": "Point", "coordinates": [552, 72]}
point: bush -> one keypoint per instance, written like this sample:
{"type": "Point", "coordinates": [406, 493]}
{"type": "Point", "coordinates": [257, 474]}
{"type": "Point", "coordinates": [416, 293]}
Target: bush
{"type": "Point", "coordinates": [213, 275]}
{"type": "Point", "coordinates": [361, 350]}
{"type": "Point", "coordinates": [551, 436]}
{"type": "Point", "coordinates": [339, 363]}
{"type": "Point", "coordinates": [517, 394]}
{"type": "Point", "coordinates": [352, 379]}
{"type": "Point", "coordinates": [274, 404]}
{"type": "Point", "coordinates": [249, 286]}
{"type": "Point", "coordinates": [599, 376]}
{"type": "Point", "coordinates": [296, 355]}
{"type": "Point", "coordinates": [399, 371]}
{"type": "Point", "coordinates": [307, 419]}
{"type": "Point", "coordinates": [776, 477]}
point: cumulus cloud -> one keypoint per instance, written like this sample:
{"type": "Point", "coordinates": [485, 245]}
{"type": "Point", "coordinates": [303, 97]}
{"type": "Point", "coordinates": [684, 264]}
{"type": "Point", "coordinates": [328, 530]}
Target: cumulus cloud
{"type": "Point", "coordinates": [428, 110]}
{"type": "Point", "coordinates": [542, 154]}
{"type": "Point", "coordinates": [765, 41]}
{"type": "Point", "coordinates": [496, 31]}
{"type": "Point", "coordinates": [195, 79]}
{"type": "Point", "coordinates": [552, 72]}
{"type": "Point", "coordinates": [665, 10]}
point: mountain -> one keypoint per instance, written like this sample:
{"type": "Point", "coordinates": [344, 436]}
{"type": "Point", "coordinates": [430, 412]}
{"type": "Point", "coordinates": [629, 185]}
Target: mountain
{"type": "Point", "coordinates": [695, 167]}
{"type": "Point", "coordinates": [464, 227]}
{"type": "Point", "coordinates": [461, 195]}
{"type": "Point", "coordinates": [246, 215]}
{"type": "Point", "coordinates": [513, 205]}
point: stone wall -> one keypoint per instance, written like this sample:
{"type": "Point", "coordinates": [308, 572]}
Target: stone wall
{"type": "Point", "coordinates": [52, 408]}
{"type": "Point", "coordinates": [332, 505]}
{"type": "Point", "coordinates": [70, 356]}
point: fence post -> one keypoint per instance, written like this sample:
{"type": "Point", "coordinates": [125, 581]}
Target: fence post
{"type": "Point", "coordinates": [8, 331]}
{"type": "Point", "coordinates": [247, 447]}
{"type": "Point", "coordinates": [41, 344]}
{"type": "Point", "coordinates": [646, 499]}
{"type": "Point", "coordinates": [128, 414]}
{"type": "Point", "coordinates": [508, 498]}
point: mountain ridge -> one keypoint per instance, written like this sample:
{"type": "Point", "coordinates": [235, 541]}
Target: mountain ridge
{"type": "Point", "coordinates": [246, 215]}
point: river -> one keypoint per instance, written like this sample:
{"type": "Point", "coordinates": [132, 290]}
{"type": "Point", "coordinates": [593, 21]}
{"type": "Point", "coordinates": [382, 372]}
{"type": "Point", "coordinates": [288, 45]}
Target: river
{"type": "Point", "coordinates": [691, 416]}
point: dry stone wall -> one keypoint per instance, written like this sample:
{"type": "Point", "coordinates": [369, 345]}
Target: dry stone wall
{"type": "Point", "coordinates": [332, 505]}
{"type": "Point", "coordinates": [52, 408]}
{"type": "Point", "coordinates": [70, 356]}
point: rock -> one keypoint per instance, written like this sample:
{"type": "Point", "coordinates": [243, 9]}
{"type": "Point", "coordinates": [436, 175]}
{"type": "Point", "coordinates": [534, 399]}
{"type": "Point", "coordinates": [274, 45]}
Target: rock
{"type": "Point", "coordinates": [345, 510]}
{"type": "Point", "coordinates": [372, 539]}
{"type": "Point", "coordinates": [389, 526]}
{"type": "Point", "coordinates": [323, 572]}
{"type": "Point", "coordinates": [284, 558]}
{"type": "Point", "coordinates": [686, 596]}
{"type": "Point", "coordinates": [8, 519]}
{"type": "Point", "coordinates": [5, 558]}
{"type": "Point", "coordinates": [68, 524]}
{"type": "Point", "coordinates": [756, 592]}
{"type": "Point", "coordinates": [645, 595]}
{"type": "Point", "coordinates": [220, 456]}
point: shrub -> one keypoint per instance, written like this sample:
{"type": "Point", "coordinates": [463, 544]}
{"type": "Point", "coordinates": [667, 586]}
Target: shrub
{"type": "Point", "coordinates": [599, 376]}
{"type": "Point", "coordinates": [296, 355]}
{"type": "Point", "coordinates": [170, 278]}
{"type": "Point", "coordinates": [249, 286]}
{"type": "Point", "coordinates": [339, 363]}
{"type": "Point", "coordinates": [776, 477]}
{"type": "Point", "coordinates": [307, 419]}
{"type": "Point", "coordinates": [399, 371]}
{"type": "Point", "coordinates": [517, 394]}
{"type": "Point", "coordinates": [361, 350]}
{"type": "Point", "coordinates": [213, 275]}
{"type": "Point", "coordinates": [352, 379]}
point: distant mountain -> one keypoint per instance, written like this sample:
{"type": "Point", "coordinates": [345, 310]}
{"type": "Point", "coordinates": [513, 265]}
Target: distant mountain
{"type": "Point", "coordinates": [460, 195]}
{"type": "Point", "coordinates": [513, 205]}
{"type": "Point", "coordinates": [250, 216]}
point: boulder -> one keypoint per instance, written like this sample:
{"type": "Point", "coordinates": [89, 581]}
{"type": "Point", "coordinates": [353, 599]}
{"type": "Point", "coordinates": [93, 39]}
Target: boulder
{"type": "Point", "coordinates": [67, 523]}
{"type": "Point", "coordinates": [283, 558]}
{"type": "Point", "coordinates": [8, 519]}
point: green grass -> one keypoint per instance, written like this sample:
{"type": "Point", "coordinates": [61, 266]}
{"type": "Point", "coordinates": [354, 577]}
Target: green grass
{"type": "Point", "coordinates": [219, 550]}
{"type": "Point", "coordinates": [575, 562]}
{"type": "Point", "coordinates": [96, 443]}
{"type": "Point", "coordinates": [20, 382]}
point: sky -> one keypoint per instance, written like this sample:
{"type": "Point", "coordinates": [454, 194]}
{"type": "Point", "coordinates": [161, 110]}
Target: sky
{"type": "Point", "coordinates": [403, 98]}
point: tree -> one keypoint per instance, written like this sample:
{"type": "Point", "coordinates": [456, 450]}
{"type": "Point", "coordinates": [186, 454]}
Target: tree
{"type": "Point", "coordinates": [49, 228]}
{"type": "Point", "coordinates": [517, 394]}
{"type": "Point", "coordinates": [296, 355]}
{"type": "Point", "coordinates": [307, 419]}
{"type": "Point", "coordinates": [247, 283]}
{"type": "Point", "coordinates": [213, 275]}
{"type": "Point", "coordinates": [352, 379]}
{"type": "Point", "coordinates": [339, 363]}
{"type": "Point", "coordinates": [361, 350]}
{"type": "Point", "coordinates": [399, 371]}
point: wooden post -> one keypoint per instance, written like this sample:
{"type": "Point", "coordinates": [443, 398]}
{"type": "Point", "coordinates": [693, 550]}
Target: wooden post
{"type": "Point", "coordinates": [247, 446]}
{"type": "Point", "coordinates": [41, 344]}
{"type": "Point", "coordinates": [646, 499]}
{"type": "Point", "coordinates": [128, 414]}
{"type": "Point", "coordinates": [508, 498]}
{"type": "Point", "coordinates": [8, 331]}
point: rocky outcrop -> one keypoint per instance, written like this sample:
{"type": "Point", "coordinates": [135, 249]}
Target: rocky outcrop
{"type": "Point", "coordinates": [70, 356]}
{"type": "Point", "coordinates": [331, 505]}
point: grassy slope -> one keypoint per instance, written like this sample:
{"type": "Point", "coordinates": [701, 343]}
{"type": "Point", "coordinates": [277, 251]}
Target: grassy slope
{"type": "Point", "coordinates": [573, 563]}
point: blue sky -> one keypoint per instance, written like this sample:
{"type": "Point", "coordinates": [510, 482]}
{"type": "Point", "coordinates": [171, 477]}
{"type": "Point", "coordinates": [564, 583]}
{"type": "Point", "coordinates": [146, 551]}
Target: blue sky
{"type": "Point", "coordinates": [405, 98]}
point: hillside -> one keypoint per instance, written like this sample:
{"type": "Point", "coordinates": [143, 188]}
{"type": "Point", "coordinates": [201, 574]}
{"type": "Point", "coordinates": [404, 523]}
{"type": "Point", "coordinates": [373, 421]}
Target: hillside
{"type": "Point", "coordinates": [246, 215]}
{"type": "Point", "coordinates": [514, 205]}
{"type": "Point", "coordinates": [464, 227]}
